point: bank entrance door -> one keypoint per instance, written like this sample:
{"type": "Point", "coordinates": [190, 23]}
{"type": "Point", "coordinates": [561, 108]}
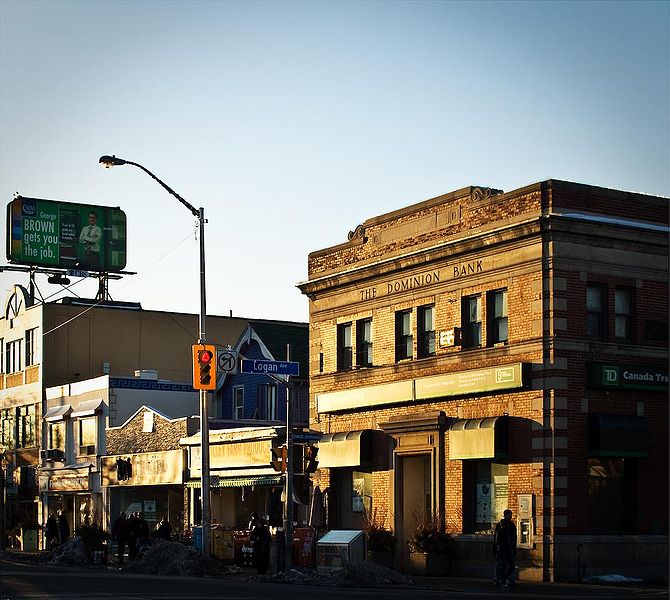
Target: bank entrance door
{"type": "Point", "coordinates": [415, 497]}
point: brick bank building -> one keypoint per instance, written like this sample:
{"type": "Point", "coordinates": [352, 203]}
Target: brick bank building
{"type": "Point", "coordinates": [487, 349]}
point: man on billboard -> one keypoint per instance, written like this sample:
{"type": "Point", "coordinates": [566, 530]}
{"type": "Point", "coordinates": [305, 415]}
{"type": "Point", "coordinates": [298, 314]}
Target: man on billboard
{"type": "Point", "coordinates": [90, 238]}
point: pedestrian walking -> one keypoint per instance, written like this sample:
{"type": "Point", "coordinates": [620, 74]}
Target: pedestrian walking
{"type": "Point", "coordinates": [131, 535]}
{"type": "Point", "coordinates": [51, 532]}
{"type": "Point", "coordinates": [163, 529]}
{"type": "Point", "coordinates": [120, 535]}
{"type": "Point", "coordinates": [260, 541]}
{"type": "Point", "coordinates": [504, 549]}
{"type": "Point", "coordinates": [63, 527]}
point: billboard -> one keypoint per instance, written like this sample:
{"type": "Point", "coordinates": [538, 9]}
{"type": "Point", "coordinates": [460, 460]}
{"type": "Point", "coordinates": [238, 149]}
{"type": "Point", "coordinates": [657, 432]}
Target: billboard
{"type": "Point", "coordinates": [65, 235]}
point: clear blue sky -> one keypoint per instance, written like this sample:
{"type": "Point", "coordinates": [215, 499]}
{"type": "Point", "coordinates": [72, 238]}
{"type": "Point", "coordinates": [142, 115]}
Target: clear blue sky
{"type": "Point", "coordinates": [292, 122]}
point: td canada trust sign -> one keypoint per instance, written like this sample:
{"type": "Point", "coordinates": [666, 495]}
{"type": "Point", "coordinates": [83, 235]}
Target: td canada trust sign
{"type": "Point", "coordinates": [420, 280]}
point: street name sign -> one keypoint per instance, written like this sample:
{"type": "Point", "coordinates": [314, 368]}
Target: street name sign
{"type": "Point", "coordinates": [270, 367]}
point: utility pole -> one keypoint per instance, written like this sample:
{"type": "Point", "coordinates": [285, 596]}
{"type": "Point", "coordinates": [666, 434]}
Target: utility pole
{"type": "Point", "coordinates": [288, 506]}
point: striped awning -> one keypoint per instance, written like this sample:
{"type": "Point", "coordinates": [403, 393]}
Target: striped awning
{"type": "Point", "coordinates": [249, 481]}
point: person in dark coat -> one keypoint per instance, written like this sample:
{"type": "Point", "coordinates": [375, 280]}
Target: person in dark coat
{"type": "Point", "coordinates": [120, 534]}
{"type": "Point", "coordinates": [504, 549]}
{"type": "Point", "coordinates": [51, 532]}
{"type": "Point", "coordinates": [132, 533]}
{"type": "Point", "coordinates": [163, 529]}
{"type": "Point", "coordinates": [63, 527]}
{"type": "Point", "coordinates": [260, 540]}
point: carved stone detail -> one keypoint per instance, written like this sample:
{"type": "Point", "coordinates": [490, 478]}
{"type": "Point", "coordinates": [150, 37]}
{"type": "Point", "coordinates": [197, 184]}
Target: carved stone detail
{"type": "Point", "coordinates": [358, 233]}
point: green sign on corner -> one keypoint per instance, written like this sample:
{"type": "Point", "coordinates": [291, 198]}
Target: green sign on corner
{"type": "Point", "coordinates": [636, 377]}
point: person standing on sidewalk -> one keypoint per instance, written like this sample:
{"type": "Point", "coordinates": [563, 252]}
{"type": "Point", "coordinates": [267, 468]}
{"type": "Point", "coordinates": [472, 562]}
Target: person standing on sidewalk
{"type": "Point", "coordinates": [504, 549]}
{"type": "Point", "coordinates": [120, 534]}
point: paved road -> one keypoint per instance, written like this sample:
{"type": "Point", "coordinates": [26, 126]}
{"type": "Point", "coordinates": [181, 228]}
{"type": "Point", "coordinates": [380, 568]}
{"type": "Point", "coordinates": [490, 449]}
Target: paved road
{"type": "Point", "coordinates": [21, 581]}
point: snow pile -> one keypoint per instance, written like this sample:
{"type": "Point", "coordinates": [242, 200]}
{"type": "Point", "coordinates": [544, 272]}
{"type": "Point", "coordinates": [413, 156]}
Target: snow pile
{"type": "Point", "coordinates": [360, 574]}
{"type": "Point", "coordinates": [172, 558]}
{"type": "Point", "coordinates": [612, 579]}
{"type": "Point", "coordinates": [72, 552]}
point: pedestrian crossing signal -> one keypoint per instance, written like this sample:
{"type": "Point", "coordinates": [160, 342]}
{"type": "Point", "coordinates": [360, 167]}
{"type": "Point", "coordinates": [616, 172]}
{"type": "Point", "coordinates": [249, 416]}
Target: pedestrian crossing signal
{"type": "Point", "coordinates": [204, 367]}
{"type": "Point", "coordinates": [310, 462]}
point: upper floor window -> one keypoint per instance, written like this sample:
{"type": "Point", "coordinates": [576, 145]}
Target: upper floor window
{"type": "Point", "coordinates": [426, 331]}
{"type": "Point", "coordinates": [26, 426]}
{"type": "Point", "coordinates": [7, 431]}
{"type": "Point", "coordinates": [238, 402]}
{"type": "Point", "coordinates": [267, 401]}
{"type": "Point", "coordinates": [497, 317]}
{"type": "Point", "coordinates": [403, 335]}
{"type": "Point", "coordinates": [364, 343]}
{"type": "Point", "coordinates": [13, 357]}
{"type": "Point", "coordinates": [57, 436]}
{"type": "Point", "coordinates": [471, 321]}
{"type": "Point", "coordinates": [344, 347]}
{"type": "Point", "coordinates": [596, 311]}
{"type": "Point", "coordinates": [87, 435]}
{"type": "Point", "coordinates": [31, 354]}
{"type": "Point", "coordinates": [623, 313]}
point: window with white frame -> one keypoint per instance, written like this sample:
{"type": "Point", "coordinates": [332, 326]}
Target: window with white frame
{"type": "Point", "coordinates": [471, 321]}
{"type": "Point", "coordinates": [238, 402]}
{"type": "Point", "coordinates": [7, 424]}
{"type": "Point", "coordinates": [31, 350]}
{"type": "Point", "coordinates": [426, 331]}
{"type": "Point", "coordinates": [404, 339]}
{"type": "Point", "coordinates": [26, 426]}
{"type": "Point", "coordinates": [13, 357]}
{"type": "Point", "coordinates": [497, 317]}
{"type": "Point", "coordinates": [623, 313]}
{"type": "Point", "coordinates": [57, 435]}
{"type": "Point", "coordinates": [267, 401]}
{"type": "Point", "coordinates": [87, 435]}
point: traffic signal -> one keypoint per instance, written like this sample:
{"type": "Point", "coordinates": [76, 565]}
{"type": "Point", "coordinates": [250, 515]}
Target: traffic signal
{"type": "Point", "coordinates": [297, 454]}
{"type": "Point", "coordinates": [310, 462]}
{"type": "Point", "coordinates": [204, 367]}
{"type": "Point", "coordinates": [278, 461]}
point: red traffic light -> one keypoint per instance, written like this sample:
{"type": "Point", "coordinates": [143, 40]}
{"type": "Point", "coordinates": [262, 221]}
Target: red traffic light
{"type": "Point", "coordinates": [205, 356]}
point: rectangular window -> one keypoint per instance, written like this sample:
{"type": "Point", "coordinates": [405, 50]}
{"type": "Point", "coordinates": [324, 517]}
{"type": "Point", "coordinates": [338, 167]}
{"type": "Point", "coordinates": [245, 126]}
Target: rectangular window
{"type": "Point", "coordinates": [426, 331]}
{"type": "Point", "coordinates": [2, 355]}
{"type": "Point", "coordinates": [87, 435]}
{"type": "Point", "coordinates": [57, 436]}
{"type": "Point", "coordinates": [485, 494]}
{"type": "Point", "coordinates": [238, 402]}
{"type": "Point", "coordinates": [497, 317]}
{"type": "Point", "coordinates": [13, 357]}
{"type": "Point", "coordinates": [344, 347]}
{"type": "Point", "coordinates": [471, 321]}
{"type": "Point", "coordinates": [31, 355]}
{"type": "Point", "coordinates": [611, 495]}
{"type": "Point", "coordinates": [26, 426]}
{"type": "Point", "coordinates": [596, 311]}
{"type": "Point", "coordinates": [361, 492]}
{"type": "Point", "coordinates": [364, 343]}
{"type": "Point", "coordinates": [267, 401]}
{"type": "Point", "coordinates": [7, 433]}
{"type": "Point", "coordinates": [404, 340]}
{"type": "Point", "coordinates": [623, 314]}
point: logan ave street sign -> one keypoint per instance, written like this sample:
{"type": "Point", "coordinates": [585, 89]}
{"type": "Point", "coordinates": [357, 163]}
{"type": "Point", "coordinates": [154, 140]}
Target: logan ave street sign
{"type": "Point", "coordinates": [269, 367]}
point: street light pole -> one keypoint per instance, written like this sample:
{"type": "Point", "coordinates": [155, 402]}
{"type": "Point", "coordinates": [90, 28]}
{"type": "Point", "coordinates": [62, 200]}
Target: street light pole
{"type": "Point", "coordinates": [111, 161]}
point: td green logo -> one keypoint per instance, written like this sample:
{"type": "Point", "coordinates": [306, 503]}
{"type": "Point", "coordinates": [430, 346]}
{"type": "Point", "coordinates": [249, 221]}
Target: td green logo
{"type": "Point", "coordinates": [610, 375]}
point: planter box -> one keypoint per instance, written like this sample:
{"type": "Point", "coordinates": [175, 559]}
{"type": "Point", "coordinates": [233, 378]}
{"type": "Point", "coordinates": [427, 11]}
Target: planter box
{"type": "Point", "coordinates": [385, 559]}
{"type": "Point", "coordinates": [429, 564]}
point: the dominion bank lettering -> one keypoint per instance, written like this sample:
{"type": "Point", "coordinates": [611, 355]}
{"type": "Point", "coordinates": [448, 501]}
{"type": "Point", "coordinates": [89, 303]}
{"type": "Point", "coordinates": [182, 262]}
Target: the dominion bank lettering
{"type": "Point", "coordinates": [420, 280]}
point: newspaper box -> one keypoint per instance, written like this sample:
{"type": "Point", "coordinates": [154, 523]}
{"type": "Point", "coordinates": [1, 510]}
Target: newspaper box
{"type": "Point", "coordinates": [338, 548]}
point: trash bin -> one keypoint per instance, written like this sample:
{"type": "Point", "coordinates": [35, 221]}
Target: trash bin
{"type": "Point", "coordinates": [197, 537]}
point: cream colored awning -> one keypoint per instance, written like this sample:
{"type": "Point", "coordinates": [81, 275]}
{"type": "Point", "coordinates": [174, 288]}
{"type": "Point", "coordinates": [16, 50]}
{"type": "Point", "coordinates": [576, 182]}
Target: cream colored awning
{"type": "Point", "coordinates": [478, 438]}
{"type": "Point", "coordinates": [345, 449]}
{"type": "Point", "coordinates": [57, 413]}
{"type": "Point", "coordinates": [88, 408]}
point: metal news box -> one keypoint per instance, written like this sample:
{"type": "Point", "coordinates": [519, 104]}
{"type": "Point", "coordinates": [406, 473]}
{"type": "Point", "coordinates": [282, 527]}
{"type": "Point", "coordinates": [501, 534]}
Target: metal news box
{"type": "Point", "coordinates": [338, 548]}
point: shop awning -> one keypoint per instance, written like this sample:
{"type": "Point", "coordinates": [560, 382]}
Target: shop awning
{"type": "Point", "coordinates": [345, 449]}
{"type": "Point", "coordinates": [250, 481]}
{"type": "Point", "coordinates": [618, 436]}
{"type": "Point", "coordinates": [57, 413]}
{"type": "Point", "coordinates": [478, 438]}
{"type": "Point", "coordinates": [88, 408]}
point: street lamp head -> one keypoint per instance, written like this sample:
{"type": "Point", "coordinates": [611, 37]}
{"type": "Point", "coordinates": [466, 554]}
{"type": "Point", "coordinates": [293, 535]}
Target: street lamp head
{"type": "Point", "coordinates": [111, 161]}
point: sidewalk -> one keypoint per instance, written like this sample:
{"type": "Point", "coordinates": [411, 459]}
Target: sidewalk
{"type": "Point", "coordinates": [538, 588]}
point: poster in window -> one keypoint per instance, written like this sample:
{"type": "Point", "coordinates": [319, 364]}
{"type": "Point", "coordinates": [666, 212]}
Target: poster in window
{"type": "Point", "coordinates": [484, 493]}
{"type": "Point", "coordinates": [500, 497]}
{"type": "Point", "coordinates": [357, 494]}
